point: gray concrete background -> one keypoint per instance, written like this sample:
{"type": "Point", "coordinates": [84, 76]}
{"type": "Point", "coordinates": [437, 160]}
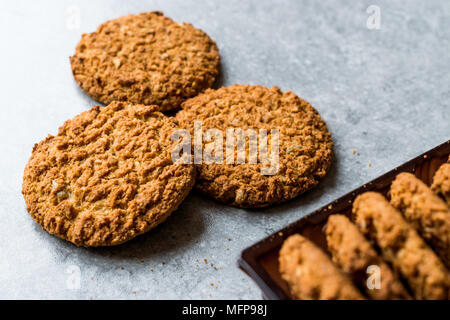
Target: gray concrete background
{"type": "Point", "coordinates": [384, 93]}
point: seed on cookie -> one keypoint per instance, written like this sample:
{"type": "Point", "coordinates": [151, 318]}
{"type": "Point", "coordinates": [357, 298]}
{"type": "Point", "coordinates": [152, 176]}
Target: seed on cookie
{"type": "Point", "coordinates": [107, 176]}
{"type": "Point", "coordinates": [286, 151]}
{"type": "Point", "coordinates": [145, 59]}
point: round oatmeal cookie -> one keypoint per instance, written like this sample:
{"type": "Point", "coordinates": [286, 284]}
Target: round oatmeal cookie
{"type": "Point", "coordinates": [107, 176]}
{"type": "Point", "coordinates": [145, 59]}
{"type": "Point", "coordinates": [304, 153]}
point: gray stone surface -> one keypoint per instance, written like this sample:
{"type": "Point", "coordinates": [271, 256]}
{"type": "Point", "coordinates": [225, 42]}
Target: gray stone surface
{"type": "Point", "coordinates": [384, 93]}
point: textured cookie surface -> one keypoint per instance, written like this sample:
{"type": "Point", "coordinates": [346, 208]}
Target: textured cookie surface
{"type": "Point", "coordinates": [305, 144]}
{"type": "Point", "coordinates": [401, 246]}
{"type": "Point", "coordinates": [107, 176]}
{"type": "Point", "coordinates": [311, 275]}
{"type": "Point", "coordinates": [354, 255]}
{"type": "Point", "coordinates": [427, 212]}
{"type": "Point", "coordinates": [145, 59]}
{"type": "Point", "coordinates": [441, 182]}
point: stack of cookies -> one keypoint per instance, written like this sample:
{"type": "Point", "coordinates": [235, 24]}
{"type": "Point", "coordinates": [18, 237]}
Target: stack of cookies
{"type": "Point", "coordinates": [109, 175]}
{"type": "Point", "coordinates": [397, 249]}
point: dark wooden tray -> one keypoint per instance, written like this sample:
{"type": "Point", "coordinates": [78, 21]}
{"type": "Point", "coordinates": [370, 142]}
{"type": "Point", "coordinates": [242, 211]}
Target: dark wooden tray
{"type": "Point", "coordinates": [260, 261]}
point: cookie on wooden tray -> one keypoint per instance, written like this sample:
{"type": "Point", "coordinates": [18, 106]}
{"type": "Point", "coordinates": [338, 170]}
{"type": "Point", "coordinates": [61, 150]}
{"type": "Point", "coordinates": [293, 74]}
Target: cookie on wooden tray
{"type": "Point", "coordinates": [310, 273]}
{"type": "Point", "coordinates": [304, 144]}
{"type": "Point", "coordinates": [354, 254]}
{"type": "Point", "coordinates": [145, 59]}
{"type": "Point", "coordinates": [401, 246]}
{"type": "Point", "coordinates": [107, 176]}
{"type": "Point", "coordinates": [426, 211]}
{"type": "Point", "coordinates": [441, 182]}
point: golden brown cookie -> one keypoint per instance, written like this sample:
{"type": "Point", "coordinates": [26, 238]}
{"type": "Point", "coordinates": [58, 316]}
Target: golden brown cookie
{"type": "Point", "coordinates": [145, 59]}
{"type": "Point", "coordinates": [310, 273]}
{"type": "Point", "coordinates": [355, 256]}
{"type": "Point", "coordinates": [425, 211]}
{"type": "Point", "coordinates": [441, 182]}
{"type": "Point", "coordinates": [305, 144]}
{"type": "Point", "coordinates": [402, 246]}
{"type": "Point", "coordinates": [107, 176]}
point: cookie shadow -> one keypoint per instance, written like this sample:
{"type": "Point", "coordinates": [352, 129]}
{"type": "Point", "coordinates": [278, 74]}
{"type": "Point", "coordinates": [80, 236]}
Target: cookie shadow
{"type": "Point", "coordinates": [221, 79]}
{"type": "Point", "coordinates": [180, 231]}
{"type": "Point", "coordinates": [301, 203]}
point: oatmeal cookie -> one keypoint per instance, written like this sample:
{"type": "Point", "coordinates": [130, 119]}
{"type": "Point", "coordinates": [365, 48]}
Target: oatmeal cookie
{"type": "Point", "coordinates": [305, 144]}
{"type": "Point", "coordinates": [441, 182]}
{"type": "Point", "coordinates": [354, 255]}
{"type": "Point", "coordinates": [425, 211]}
{"type": "Point", "coordinates": [402, 246]}
{"type": "Point", "coordinates": [145, 59]}
{"type": "Point", "coordinates": [310, 273]}
{"type": "Point", "coordinates": [107, 176]}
